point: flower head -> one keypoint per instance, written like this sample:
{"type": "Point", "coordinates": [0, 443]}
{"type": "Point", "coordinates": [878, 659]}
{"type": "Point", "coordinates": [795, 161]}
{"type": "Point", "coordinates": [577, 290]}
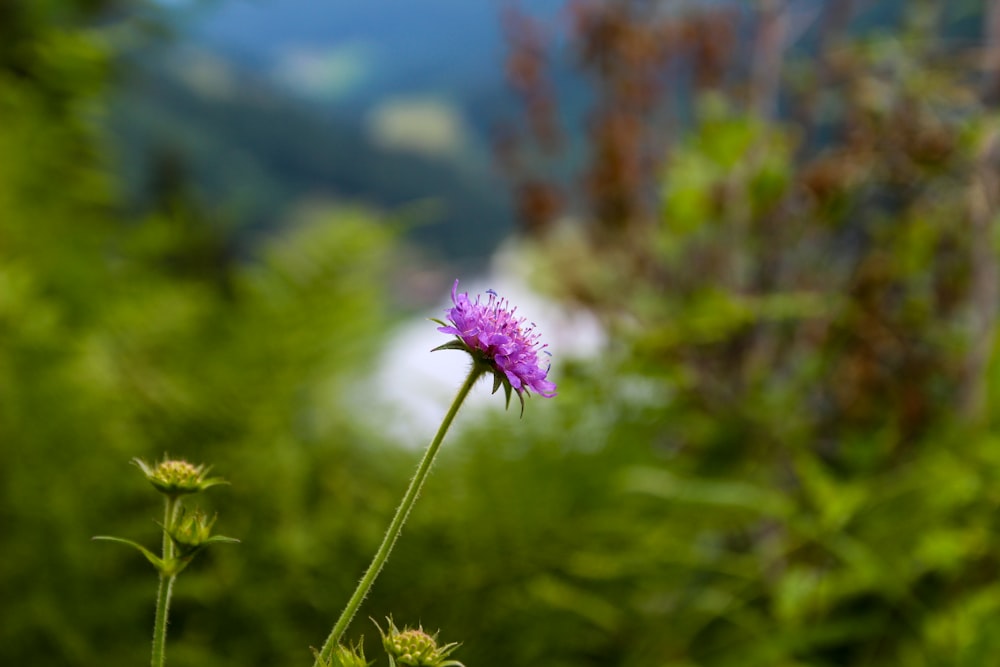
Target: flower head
{"type": "Point", "coordinates": [496, 337]}
{"type": "Point", "coordinates": [177, 477]}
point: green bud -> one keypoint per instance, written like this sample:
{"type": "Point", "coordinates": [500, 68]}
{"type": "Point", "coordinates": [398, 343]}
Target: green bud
{"type": "Point", "coordinates": [192, 531]}
{"type": "Point", "coordinates": [177, 477]}
{"type": "Point", "coordinates": [415, 648]}
{"type": "Point", "coordinates": [344, 656]}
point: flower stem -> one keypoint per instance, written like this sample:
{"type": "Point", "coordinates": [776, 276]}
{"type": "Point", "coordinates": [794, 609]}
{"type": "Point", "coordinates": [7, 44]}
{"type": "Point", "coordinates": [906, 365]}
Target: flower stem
{"type": "Point", "coordinates": [166, 587]}
{"type": "Point", "coordinates": [402, 512]}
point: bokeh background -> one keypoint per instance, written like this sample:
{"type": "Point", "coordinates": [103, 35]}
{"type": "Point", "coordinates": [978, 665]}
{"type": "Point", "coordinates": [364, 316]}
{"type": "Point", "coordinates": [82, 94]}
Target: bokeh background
{"type": "Point", "coordinates": [760, 237]}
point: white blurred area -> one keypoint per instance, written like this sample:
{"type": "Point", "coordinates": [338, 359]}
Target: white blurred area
{"type": "Point", "coordinates": [427, 125]}
{"type": "Point", "coordinates": [412, 387]}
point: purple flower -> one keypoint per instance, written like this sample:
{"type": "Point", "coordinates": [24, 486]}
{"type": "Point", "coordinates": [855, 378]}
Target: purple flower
{"type": "Point", "coordinates": [496, 337]}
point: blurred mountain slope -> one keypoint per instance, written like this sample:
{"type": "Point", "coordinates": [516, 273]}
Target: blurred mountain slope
{"type": "Point", "coordinates": [253, 109]}
{"type": "Point", "coordinates": [248, 153]}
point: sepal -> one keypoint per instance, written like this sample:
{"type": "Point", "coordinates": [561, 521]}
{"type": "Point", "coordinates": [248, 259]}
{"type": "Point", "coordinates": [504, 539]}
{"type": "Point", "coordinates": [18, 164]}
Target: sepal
{"type": "Point", "coordinates": [454, 344]}
{"type": "Point", "coordinates": [501, 380]}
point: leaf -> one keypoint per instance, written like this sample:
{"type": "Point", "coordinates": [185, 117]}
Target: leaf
{"type": "Point", "coordinates": [150, 556]}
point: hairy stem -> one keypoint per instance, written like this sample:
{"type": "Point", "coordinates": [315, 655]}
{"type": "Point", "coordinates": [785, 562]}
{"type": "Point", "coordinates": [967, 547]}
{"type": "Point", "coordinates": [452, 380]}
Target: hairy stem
{"type": "Point", "coordinates": [402, 512]}
{"type": "Point", "coordinates": [166, 587]}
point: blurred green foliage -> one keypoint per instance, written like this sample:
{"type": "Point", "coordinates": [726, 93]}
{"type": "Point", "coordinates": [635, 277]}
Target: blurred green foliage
{"type": "Point", "coordinates": [126, 338]}
{"type": "Point", "coordinates": [785, 455]}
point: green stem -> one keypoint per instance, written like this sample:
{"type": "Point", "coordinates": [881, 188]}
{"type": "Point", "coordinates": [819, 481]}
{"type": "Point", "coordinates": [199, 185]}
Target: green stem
{"type": "Point", "coordinates": [166, 587]}
{"type": "Point", "coordinates": [163, 594]}
{"type": "Point", "coordinates": [402, 512]}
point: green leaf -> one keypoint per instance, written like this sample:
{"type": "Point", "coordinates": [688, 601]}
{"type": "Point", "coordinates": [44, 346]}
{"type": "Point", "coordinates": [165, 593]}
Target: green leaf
{"type": "Point", "coordinates": [150, 556]}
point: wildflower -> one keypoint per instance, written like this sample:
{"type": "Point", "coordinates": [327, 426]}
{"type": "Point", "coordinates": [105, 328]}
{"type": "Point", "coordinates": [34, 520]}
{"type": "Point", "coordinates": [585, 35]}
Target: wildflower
{"type": "Point", "coordinates": [415, 648]}
{"type": "Point", "coordinates": [177, 477]}
{"type": "Point", "coordinates": [499, 340]}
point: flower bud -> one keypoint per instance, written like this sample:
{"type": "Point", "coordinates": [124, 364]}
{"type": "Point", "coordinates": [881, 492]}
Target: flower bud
{"type": "Point", "coordinates": [344, 656]}
{"type": "Point", "coordinates": [349, 657]}
{"type": "Point", "coordinates": [416, 648]}
{"type": "Point", "coordinates": [192, 531]}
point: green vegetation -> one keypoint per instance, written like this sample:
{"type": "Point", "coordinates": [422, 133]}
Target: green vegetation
{"type": "Point", "coordinates": [786, 455]}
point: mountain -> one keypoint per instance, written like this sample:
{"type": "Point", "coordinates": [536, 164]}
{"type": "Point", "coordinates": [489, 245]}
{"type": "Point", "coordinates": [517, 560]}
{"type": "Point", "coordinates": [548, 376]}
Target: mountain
{"type": "Point", "coordinates": [248, 154]}
{"type": "Point", "coordinates": [259, 106]}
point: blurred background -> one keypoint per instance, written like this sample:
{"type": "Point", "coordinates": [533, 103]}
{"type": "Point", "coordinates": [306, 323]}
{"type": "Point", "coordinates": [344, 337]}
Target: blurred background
{"type": "Point", "coordinates": [760, 238]}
